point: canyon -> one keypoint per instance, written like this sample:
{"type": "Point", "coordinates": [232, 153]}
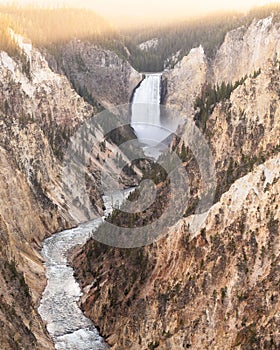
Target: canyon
{"type": "Point", "coordinates": [216, 287]}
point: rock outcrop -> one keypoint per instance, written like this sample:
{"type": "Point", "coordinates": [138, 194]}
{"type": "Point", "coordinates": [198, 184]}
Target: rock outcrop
{"type": "Point", "coordinates": [98, 74]}
{"type": "Point", "coordinates": [243, 52]}
{"type": "Point", "coordinates": [184, 82]}
{"type": "Point", "coordinates": [23, 225]}
{"type": "Point", "coordinates": [242, 131]}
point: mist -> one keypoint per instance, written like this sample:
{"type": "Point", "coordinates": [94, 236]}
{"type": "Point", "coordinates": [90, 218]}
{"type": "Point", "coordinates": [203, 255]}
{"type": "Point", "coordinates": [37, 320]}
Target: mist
{"type": "Point", "coordinates": [127, 13]}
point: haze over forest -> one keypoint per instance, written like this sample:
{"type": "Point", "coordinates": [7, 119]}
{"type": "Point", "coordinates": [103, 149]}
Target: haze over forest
{"type": "Point", "coordinates": [127, 13]}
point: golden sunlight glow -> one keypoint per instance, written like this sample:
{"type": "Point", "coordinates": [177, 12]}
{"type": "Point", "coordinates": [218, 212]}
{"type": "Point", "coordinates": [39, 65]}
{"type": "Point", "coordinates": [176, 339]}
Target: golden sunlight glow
{"type": "Point", "coordinates": [168, 8]}
{"type": "Point", "coordinates": [123, 11]}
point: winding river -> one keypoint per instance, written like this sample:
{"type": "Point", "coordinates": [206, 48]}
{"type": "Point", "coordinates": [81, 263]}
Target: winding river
{"type": "Point", "coordinates": [66, 323]}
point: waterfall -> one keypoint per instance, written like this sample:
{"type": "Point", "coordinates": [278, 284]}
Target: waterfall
{"type": "Point", "coordinates": [149, 125]}
{"type": "Point", "coordinates": [145, 116]}
{"type": "Point", "coordinates": [149, 90]}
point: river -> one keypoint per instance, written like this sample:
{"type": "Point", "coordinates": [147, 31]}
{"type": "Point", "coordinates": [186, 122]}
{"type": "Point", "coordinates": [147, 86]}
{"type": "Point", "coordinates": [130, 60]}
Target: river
{"type": "Point", "coordinates": [66, 323]}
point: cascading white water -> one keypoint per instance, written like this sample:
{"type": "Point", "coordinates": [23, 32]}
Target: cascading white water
{"type": "Point", "coordinates": [145, 117]}
{"type": "Point", "coordinates": [146, 120]}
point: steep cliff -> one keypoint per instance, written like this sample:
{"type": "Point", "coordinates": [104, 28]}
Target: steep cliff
{"type": "Point", "coordinates": [242, 53]}
{"type": "Point", "coordinates": [96, 73]}
{"type": "Point", "coordinates": [242, 131]}
{"type": "Point", "coordinates": [185, 81]}
{"type": "Point", "coordinates": [217, 287]}
{"type": "Point", "coordinates": [245, 50]}
{"type": "Point", "coordinates": [22, 228]}
{"type": "Point", "coordinates": [28, 214]}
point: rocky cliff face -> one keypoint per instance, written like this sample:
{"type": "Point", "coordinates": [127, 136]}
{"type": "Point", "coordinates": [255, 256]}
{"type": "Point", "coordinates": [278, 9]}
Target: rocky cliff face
{"type": "Point", "coordinates": [217, 287]}
{"type": "Point", "coordinates": [185, 81]}
{"type": "Point", "coordinates": [243, 52]}
{"type": "Point", "coordinates": [214, 289]}
{"type": "Point", "coordinates": [23, 225]}
{"type": "Point", "coordinates": [242, 131]}
{"type": "Point", "coordinates": [28, 168]}
{"type": "Point", "coordinates": [39, 113]}
{"type": "Point", "coordinates": [98, 74]}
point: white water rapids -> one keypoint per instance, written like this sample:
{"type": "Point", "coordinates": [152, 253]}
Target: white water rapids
{"type": "Point", "coordinates": [66, 323]}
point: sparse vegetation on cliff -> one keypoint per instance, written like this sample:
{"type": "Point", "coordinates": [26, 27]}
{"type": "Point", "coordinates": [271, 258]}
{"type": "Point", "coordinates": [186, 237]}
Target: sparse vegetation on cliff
{"type": "Point", "coordinates": [211, 95]}
{"type": "Point", "coordinates": [174, 293]}
{"type": "Point", "coordinates": [227, 269]}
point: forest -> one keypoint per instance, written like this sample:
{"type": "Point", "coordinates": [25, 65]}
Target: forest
{"type": "Point", "coordinates": [210, 96]}
{"type": "Point", "coordinates": [6, 42]}
{"type": "Point", "coordinates": [51, 28]}
{"type": "Point", "coordinates": [181, 37]}
{"type": "Point", "coordinates": [44, 25]}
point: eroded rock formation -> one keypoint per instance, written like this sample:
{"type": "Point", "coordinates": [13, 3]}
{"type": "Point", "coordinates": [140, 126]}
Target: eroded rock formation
{"type": "Point", "coordinates": [243, 52]}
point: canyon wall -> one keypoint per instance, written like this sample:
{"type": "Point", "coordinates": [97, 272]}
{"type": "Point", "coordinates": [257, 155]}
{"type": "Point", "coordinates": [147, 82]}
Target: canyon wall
{"type": "Point", "coordinates": [40, 113]}
{"type": "Point", "coordinates": [244, 51]}
{"type": "Point", "coordinates": [98, 74]}
{"type": "Point", "coordinates": [217, 287]}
